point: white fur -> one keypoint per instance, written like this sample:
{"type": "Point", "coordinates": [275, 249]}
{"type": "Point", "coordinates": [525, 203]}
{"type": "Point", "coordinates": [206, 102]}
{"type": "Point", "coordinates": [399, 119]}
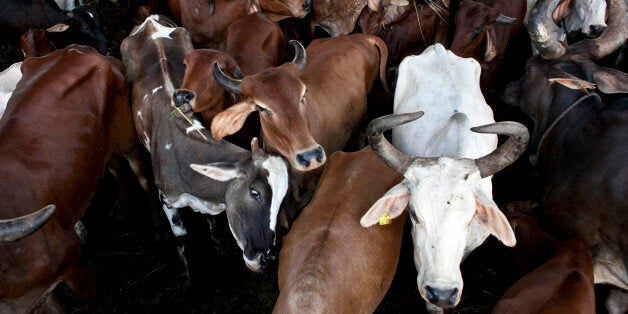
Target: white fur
{"type": "Point", "coordinates": [198, 205]}
{"type": "Point", "coordinates": [8, 81]}
{"type": "Point", "coordinates": [196, 126]}
{"type": "Point", "coordinates": [176, 230]}
{"type": "Point", "coordinates": [278, 181]}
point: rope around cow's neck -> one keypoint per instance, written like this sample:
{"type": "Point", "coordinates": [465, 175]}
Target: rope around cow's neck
{"type": "Point", "coordinates": [534, 159]}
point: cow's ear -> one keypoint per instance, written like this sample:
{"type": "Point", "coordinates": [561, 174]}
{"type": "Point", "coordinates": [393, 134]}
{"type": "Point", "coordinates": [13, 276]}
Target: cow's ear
{"type": "Point", "coordinates": [491, 50]}
{"type": "Point", "coordinates": [610, 81]}
{"type": "Point", "coordinates": [561, 11]}
{"type": "Point", "coordinates": [488, 215]}
{"type": "Point", "coordinates": [231, 120]}
{"type": "Point", "coordinates": [219, 171]}
{"type": "Point", "coordinates": [393, 203]}
{"type": "Point", "coordinates": [57, 28]}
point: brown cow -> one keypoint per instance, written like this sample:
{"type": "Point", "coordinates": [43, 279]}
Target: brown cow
{"type": "Point", "coordinates": [483, 28]}
{"type": "Point", "coordinates": [336, 17]}
{"type": "Point", "coordinates": [207, 21]}
{"type": "Point", "coordinates": [328, 262]}
{"type": "Point", "coordinates": [564, 284]}
{"type": "Point", "coordinates": [307, 110]}
{"type": "Point", "coordinates": [59, 125]}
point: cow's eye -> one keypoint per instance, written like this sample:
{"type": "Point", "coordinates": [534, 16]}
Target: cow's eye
{"type": "Point", "coordinates": [255, 194]}
{"type": "Point", "coordinates": [302, 101]}
{"type": "Point", "coordinates": [476, 31]}
{"type": "Point", "coordinates": [412, 214]}
{"type": "Point", "coordinates": [84, 28]}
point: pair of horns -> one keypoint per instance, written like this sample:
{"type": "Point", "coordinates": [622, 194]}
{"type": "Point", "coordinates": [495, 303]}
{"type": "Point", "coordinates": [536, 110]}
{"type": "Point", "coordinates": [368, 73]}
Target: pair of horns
{"type": "Point", "coordinates": [540, 26]}
{"type": "Point", "coordinates": [235, 85]}
{"type": "Point", "coordinates": [497, 160]}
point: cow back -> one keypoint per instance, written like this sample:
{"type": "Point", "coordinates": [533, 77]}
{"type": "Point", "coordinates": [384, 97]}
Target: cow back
{"type": "Point", "coordinates": [328, 262]}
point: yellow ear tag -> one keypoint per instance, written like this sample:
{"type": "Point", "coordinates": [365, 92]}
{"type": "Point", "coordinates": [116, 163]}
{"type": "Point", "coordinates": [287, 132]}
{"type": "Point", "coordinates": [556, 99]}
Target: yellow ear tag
{"type": "Point", "coordinates": [385, 219]}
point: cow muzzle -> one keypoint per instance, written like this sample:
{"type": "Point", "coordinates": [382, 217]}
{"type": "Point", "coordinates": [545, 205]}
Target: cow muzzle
{"type": "Point", "coordinates": [444, 298]}
{"type": "Point", "coordinates": [310, 159]}
{"type": "Point", "coordinates": [259, 262]}
{"type": "Point", "coordinates": [183, 99]}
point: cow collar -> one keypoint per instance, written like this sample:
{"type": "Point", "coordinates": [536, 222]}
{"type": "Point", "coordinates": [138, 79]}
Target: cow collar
{"type": "Point", "coordinates": [534, 159]}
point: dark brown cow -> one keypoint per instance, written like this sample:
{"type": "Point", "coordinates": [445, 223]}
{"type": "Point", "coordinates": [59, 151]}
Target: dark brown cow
{"type": "Point", "coordinates": [208, 21]}
{"type": "Point", "coordinates": [35, 43]}
{"type": "Point", "coordinates": [564, 284]}
{"type": "Point", "coordinates": [328, 262]}
{"type": "Point", "coordinates": [579, 139]}
{"type": "Point", "coordinates": [336, 17]}
{"type": "Point", "coordinates": [59, 124]}
{"type": "Point", "coordinates": [482, 31]}
{"type": "Point", "coordinates": [406, 30]}
{"type": "Point", "coordinates": [307, 110]}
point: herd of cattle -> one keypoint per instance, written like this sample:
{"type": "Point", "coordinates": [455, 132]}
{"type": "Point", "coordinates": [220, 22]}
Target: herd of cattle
{"type": "Point", "coordinates": [246, 108]}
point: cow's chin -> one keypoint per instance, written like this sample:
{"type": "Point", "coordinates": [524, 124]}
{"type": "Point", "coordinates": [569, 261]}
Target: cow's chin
{"type": "Point", "coordinates": [254, 264]}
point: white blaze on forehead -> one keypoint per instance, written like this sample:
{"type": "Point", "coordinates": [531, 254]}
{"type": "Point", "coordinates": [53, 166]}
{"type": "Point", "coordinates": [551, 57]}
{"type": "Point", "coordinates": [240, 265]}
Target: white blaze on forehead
{"type": "Point", "coordinates": [278, 181]}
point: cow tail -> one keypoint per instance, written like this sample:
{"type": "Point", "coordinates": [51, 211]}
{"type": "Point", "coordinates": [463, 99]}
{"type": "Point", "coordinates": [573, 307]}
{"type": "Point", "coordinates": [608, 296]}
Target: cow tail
{"type": "Point", "coordinates": [383, 58]}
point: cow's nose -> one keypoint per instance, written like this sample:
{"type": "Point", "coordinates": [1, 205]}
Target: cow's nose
{"type": "Point", "coordinates": [307, 5]}
{"type": "Point", "coordinates": [305, 157]}
{"type": "Point", "coordinates": [442, 298]}
{"type": "Point", "coordinates": [182, 97]}
{"type": "Point", "coordinates": [596, 30]}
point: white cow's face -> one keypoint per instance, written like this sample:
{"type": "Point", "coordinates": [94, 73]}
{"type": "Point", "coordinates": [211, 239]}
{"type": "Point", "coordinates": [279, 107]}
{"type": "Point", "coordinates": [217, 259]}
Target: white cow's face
{"type": "Point", "coordinates": [588, 17]}
{"type": "Point", "coordinates": [442, 207]}
{"type": "Point", "coordinates": [451, 215]}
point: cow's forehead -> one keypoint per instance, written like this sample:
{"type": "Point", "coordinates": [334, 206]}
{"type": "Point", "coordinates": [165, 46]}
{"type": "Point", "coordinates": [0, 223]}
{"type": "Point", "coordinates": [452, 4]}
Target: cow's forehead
{"type": "Point", "coordinates": [437, 61]}
{"type": "Point", "coordinates": [442, 173]}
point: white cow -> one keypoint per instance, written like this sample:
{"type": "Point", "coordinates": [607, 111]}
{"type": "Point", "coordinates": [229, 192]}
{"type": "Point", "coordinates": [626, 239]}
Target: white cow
{"type": "Point", "coordinates": [585, 16]}
{"type": "Point", "coordinates": [8, 80]}
{"type": "Point", "coordinates": [449, 193]}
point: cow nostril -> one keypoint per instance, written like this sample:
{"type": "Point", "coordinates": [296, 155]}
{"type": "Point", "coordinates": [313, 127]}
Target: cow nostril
{"type": "Point", "coordinates": [596, 30]}
{"type": "Point", "coordinates": [306, 5]}
{"type": "Point", "coordinates": [263, 263]}
{"type": "Point", "coordinates": [319, 154]}
{"type": "Point", "coordinates": [302, 160]}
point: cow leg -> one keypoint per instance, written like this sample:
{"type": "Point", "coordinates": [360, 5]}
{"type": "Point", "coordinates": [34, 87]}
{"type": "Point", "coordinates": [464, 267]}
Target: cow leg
{"type": "Point", "coordinates": [617, 302]}
{"type": "Point", "coordinates": [179, 231]}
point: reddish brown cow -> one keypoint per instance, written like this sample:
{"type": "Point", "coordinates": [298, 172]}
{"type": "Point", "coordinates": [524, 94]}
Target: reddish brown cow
{"type": "Point", "coordinates": [564, 284]}
{"type": "Point", "coordinates": [207, 21]}
{"type": "Point", "coordinates": [59, 125]}
{"type": "Point", "coordinates": [307, 110]}
{"type": "Point", "coordinates": [483, 28]}
{"type": "Point", "coordinates": [330, 264]}
{"type": "Point", "coordinates": [336, 17]}
{"type": "Point", "coordinates": [35, 43]}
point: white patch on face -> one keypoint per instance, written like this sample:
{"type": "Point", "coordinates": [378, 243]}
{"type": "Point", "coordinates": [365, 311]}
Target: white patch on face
{"type": "Point", "coordinates": [278, 181]}
{"type": "Point", "coordinates": [156, 89]}
{"type": "Point", "coordinates": [253, 264]}
{"type": "Point", "coordinates": [198, 205]}
{"type": "Point", "coordinates": [168, 146]}
{"type": "Point", "coordinates": [139, 115]}
{"type": "Point", "coordinates": [196, 126]}
{"type": "Point", "coordinates": [176, 230]}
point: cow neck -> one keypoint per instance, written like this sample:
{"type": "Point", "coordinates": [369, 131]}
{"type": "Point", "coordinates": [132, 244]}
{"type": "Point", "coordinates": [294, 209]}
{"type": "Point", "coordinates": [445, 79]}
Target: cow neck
{"type": "Point", "coordinates": [534, 159]}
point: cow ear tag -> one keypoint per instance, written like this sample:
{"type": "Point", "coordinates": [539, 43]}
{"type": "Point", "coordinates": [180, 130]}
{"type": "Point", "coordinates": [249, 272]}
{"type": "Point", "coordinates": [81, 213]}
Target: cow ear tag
{"type": "Point", "coordinates": [385, 219]}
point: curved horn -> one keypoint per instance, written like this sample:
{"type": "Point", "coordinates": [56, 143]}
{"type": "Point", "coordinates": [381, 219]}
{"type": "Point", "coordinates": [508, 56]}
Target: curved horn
{"type": "Point", "coordinates": [613, 37]}
{"type": "Point", "coordinates": [18, 228]}
{"type": "Point", "coordinates": [394, 158]}
{"type": "Point", "coordinates": [502, 19]}
{"type": "Point", "coordinates": [211, 5]}
{"type": "Point", "coordinates": [229, 84]}
{"type": "Point", "coordinates": [506, 153]}
{"type": "Point", "coordinates": [541, 27]}
{"type": "Point", "coordinates": [299, 54]}
{"type": "Point", "coordinates": [256, 152]}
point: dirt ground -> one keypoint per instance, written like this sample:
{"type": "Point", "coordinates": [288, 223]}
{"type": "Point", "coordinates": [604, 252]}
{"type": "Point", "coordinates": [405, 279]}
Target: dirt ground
{"type": "Point", "coordinates": [132, 273]}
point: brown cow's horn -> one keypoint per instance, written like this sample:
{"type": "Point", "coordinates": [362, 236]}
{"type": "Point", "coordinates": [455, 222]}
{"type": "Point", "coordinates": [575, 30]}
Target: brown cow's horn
{"type": "Point", "coordinates": [613, 37]}
{"type": "Point", "coordinates": [256, 151]}
{"type": "Point", "coordinates": [506, 153]}
{"type": "Point", "coordinates": [229, 84]}
{"type": "Point", "coordinates": [502, 19]}
{"type": "Point", "coordinates": [394, 158]}
{"type": "Point", "coordinates": [299, 54]}
{"type": "Point", "coordinates": [541, 26]}
{"type": "Point", "coordinates": [18, 228]}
